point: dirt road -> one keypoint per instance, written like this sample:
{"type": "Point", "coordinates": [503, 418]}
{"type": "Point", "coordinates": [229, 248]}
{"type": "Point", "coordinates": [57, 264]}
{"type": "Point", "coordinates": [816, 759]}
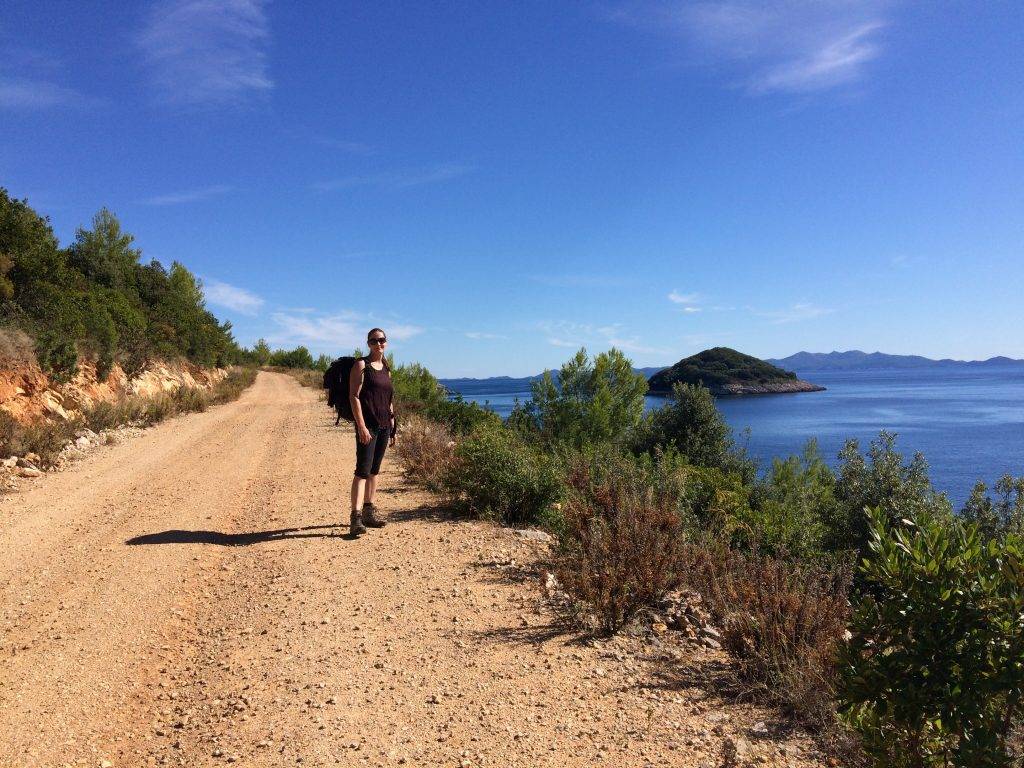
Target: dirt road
{"type": "Point", "coordinates": [182, 599]}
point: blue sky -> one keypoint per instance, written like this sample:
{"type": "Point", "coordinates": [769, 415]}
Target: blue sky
{"type": "Point", "coordinates": [497, 184]}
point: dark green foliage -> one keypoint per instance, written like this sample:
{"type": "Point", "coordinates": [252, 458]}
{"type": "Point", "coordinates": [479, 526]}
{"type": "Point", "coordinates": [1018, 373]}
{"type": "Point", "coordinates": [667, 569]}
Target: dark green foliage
{"type": "Point", "coordinates": [717, 367]}
{"type": "Point", "coordinates": [692, 425]}
{"type": "Point", "coordinates": [95, 298]}
{"type": "Point", "coordinates": [789, 508]}
{"type": "Point", "coordinates": [594, 401]}
{"type": "Point", "coordinates": [881, 479]}
{"type": "Point", "coordinates": [299, 357]}
{"type": "Point", "coordinates": [934, 673]}
{"type": "Point", "coordinates": [497, 475]}
{"type": "Point", "coordinates": [622, 534]}
{"type": "Point", "coordinates": [999, 517]}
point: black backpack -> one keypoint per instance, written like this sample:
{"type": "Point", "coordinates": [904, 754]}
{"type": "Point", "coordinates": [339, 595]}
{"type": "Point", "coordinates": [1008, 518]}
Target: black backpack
{"type": "Point", "coordinates": [336, 384]}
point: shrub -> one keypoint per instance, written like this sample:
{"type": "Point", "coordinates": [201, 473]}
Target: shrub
{"type": "Point", "coordinates": [622, 537]}
{"type": "Point", "coordinates": [426, 450]}
{"type": "Point", "coordinates": [934, 673]}
{"type": "Point", "coordinates": [498, 475]}
{"type": "Point", "coordinates": [233, 385]}
{"type": "Point", "coordinates": [189, 400]}
{"type": "Point", "coordinates": [789, 507]}
{"type": "Point", "coordinates": [460, 417]}
{"type": "Point", "coordinates": [15, 347]}
{"type": "Point", "coordinates": [782, 621]}
{"type": "Point", "coordinates": [882, 480]}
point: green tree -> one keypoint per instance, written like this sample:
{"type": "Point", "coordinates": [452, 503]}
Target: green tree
{"type": "Point", "coordinates": [104, 254]}
{"type": "Point", "coordinates": [1000, 516]}
{"type": "Point", "coordinates": [692, 425]}
{"type": "Point", "coordinates": [261, 353]}
{"type": "Point", "coordinates": [594, 400]}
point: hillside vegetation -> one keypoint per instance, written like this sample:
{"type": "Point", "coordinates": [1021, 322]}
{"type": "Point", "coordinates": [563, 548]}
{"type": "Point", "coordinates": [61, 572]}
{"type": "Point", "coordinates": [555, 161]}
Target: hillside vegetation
{"type": "Point", "coordinates": [97, 298]}
{"type": "Point", "coordinates": [855, 599]}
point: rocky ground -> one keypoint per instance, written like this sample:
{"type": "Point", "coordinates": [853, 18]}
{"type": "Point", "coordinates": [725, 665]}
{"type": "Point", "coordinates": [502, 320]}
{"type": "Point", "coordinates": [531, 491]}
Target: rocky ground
{"type": "Point", "coordinates": [190, 597]}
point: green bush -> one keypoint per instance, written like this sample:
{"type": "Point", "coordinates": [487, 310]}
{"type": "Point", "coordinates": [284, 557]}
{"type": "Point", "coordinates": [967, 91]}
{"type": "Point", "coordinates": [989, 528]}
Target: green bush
{"type": "Point", "coordinates": [622, 534]}
{"type": "Point", "coordinates": [789, 508]}
{"type": "Point", "coordinates": [934, 673]}
{"type": "Point", "coordinates": [497, 475]}
{"type": "Point", "coordinates": [881, 479]}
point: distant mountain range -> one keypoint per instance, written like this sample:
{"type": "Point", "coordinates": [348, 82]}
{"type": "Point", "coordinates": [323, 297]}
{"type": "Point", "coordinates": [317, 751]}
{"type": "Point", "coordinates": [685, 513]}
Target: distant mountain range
{"type": "Point", "coordinates": [855, 360]}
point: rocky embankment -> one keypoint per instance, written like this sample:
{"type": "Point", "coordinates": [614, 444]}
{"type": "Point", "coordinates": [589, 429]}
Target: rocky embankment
{"type": "Point", "coordinates": [29, 397]}
{"type": "Point", "coordinates": [781, 387]}
{"type": "Point", "coordinates": [27, 393]}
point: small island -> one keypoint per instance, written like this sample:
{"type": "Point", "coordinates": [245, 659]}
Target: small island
{"type": "Point", "coordinates": [725, 371]}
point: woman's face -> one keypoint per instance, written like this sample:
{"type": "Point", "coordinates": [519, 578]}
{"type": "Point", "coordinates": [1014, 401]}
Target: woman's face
{"type": "Point", "coordinates": [377, 341]}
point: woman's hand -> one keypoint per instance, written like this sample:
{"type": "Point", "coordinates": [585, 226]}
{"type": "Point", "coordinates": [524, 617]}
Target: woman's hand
{"type": "Point", "coordinates": [364, 435]}
{"type": "Point", "coordinates": [392, 441]}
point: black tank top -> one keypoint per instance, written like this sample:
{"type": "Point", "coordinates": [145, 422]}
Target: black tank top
{"type": "Point", "coordinates": [375, 397]}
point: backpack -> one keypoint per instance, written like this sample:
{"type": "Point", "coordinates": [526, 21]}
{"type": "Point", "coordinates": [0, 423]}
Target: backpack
{"type": "Point", "coordinates": [336, 384]}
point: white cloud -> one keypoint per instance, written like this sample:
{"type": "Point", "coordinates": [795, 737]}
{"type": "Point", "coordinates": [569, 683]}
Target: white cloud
{"type": "Point", "coordinates": [398, 179]}
{"type": "Point", "coordinates": [691, 310]}
{"type": "Point", "coordinates": [595, 337]}
{"type": "Point", "coordinates": [190, 196]}
{"type": "Point", "coordinates": [683, 298]}
{"type": "Point", "coordinates": [333, 332]}
{"type": "Point", "coordinates": [207, 51]}
{"type": "Point", "coordinates": [28, 81]}
{"type": "Point", "coordinates": [22, 93]}
{"type": "Point", "coordinates": [479, 335]}
{"type": "Point", "coordinates": [765, 46]}
{"type": "Point", "coordinates": [795, 313]}
{"type": "Point", "coordinates": [232, 297]}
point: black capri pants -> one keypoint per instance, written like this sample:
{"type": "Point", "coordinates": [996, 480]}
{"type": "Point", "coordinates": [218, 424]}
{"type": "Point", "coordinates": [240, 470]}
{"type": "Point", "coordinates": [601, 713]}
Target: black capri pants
{"type": "Point", "coordinates": [369, 456]}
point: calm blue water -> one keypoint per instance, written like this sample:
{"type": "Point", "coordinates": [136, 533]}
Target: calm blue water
{"type": "Point", "coordinates": [968, 423]}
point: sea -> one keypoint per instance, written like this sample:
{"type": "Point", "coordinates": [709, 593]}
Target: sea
{"type": "Point", "coordinates": [968, 422]}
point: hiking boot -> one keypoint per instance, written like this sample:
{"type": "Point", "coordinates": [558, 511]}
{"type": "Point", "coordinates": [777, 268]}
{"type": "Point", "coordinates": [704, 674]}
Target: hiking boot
{"type": "Point", "coordinates": [355, 526]}
{"type": "Point", "coordinates": [370, 516]}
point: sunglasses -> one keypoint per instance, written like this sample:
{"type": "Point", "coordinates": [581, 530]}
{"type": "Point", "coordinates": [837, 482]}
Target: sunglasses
{"type": "Point", "coordinates": [378, 340]}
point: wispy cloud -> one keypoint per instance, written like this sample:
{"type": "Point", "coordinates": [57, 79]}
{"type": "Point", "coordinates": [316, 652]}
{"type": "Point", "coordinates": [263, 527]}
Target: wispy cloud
{"type": "Point", "coordinates": [794, 313]}
{"type": "Point", "coordinates": [343, 330]}
{"type": "Point", "coordinates": [189, 196]}
{"type": "Point", "coordinates": [397, 180]}
{"type": "Point", "coordinates": [480, 336]}
{"type": "Point", "coordinates": [575, 335]}
{"type": "Point", "coordinates": [765, 46]}
{"type": "Point", "coordinates": [29, 81]}
{"type": "Point", "coordinates": [683, 298]}
{"type": "Point", "coordinates": [581, 281]}
{"type": "Point", "coordinates": [207, 51]}
{"type": "Point", "coordinates": [28, 94]}
{"type": "Point", "coordinates": [232, 297]}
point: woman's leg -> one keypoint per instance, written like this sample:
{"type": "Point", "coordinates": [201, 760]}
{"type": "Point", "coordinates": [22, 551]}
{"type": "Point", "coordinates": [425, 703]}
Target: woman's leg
{"type": "Point", "coordinates": [371, 489]}
{"type": "Point", "coordinates": [358, 490]}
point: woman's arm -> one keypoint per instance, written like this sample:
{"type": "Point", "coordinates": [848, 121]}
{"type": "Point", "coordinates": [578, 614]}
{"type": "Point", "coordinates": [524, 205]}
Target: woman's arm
{"type": "Point", "coordinates": [355, 385]}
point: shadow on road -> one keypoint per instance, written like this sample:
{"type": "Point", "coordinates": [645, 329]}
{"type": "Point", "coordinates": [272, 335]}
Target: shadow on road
{"type": "Point", "coordinates": [238, 539]}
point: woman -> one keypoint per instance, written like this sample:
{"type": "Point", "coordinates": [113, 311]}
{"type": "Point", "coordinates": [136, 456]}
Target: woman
{"type": "Point", "coordinates": [370, 393]}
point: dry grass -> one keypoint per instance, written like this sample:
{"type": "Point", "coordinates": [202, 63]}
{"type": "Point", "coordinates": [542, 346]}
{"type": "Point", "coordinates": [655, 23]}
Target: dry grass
{"type": "Point", "coordinates": [16, 347]}
{"type": "Point", "coordinates": [782, 622]}
{"type": "Point", "coordinates": [426, 450]}
{"type": "Point", "coordinates": [622, 539]}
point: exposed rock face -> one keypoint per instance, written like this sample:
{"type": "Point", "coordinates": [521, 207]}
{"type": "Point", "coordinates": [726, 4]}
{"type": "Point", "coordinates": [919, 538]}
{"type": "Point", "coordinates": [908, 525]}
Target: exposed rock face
{"type": "Point", "coordinates": [27, 393]}
{"type": "Point", "coordinates": [770, 388]}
